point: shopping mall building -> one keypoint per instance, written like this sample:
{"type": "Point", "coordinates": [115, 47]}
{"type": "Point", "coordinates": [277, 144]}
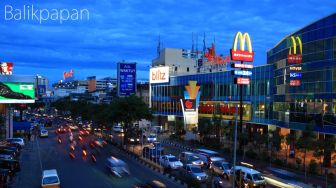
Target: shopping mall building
{"type": "Point", "coordinates": [272, 101]}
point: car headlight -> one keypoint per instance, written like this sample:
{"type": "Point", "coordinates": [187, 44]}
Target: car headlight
{"type": "Point", "coordinates": [220, 182]}
{"type": "Point", "coordinates": [132, 140]}
{"type": "Point", "coordinates": [154, 139]}
{"type": "Point", "coordinates": [199, 177]}
{"type": "Point", "coordinates": [138, 139]}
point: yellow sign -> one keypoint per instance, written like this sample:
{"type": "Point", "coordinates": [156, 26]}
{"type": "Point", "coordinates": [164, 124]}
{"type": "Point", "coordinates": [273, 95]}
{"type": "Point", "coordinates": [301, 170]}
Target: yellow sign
{"type": "Point", "coordinates": [294, 39]}
{"type": "Point", "coordinates": [242, 38]}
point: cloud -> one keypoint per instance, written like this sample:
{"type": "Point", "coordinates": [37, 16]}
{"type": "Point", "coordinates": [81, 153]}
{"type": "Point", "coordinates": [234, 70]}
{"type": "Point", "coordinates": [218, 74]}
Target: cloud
{"type": "Point", "coordinates": [128, 30]}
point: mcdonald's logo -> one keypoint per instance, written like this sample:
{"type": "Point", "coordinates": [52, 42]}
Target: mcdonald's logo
{"type": "Point", "coordinates": [295, 57]}
{"type": "Point", "coordinates": [242, 54]}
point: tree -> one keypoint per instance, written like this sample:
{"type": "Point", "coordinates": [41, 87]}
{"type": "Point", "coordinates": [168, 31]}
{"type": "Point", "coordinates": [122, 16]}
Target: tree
{"type": "Point", "coordinates": [276, 141]}
{"type": "Point", "coordinates": [306, 143]}
{"type": "Point", "coordinates": [128, 110]}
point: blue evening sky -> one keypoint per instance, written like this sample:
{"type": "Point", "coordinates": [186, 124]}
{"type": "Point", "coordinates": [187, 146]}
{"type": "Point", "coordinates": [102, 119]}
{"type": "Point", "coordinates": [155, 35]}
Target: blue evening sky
{"type": "Point", "coordinates": [128, 30]}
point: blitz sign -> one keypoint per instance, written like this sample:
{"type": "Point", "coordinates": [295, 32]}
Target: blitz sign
{"type": "Point", "coordinates": [159, 75]}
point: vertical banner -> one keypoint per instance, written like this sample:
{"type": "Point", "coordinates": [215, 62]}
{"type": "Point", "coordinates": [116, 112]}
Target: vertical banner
{"type": "Point", "coordinates": [126, 79]}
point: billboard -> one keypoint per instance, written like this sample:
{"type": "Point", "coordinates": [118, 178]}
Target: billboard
{"type": "Point", "coordinates": [126, 79]}
{"type": "Point", "coordinates": [159, 75]}
{"type": "Point", "coordinates": [41, 90]}
{"type": "Point", "coordinates": [242, 81]}
{"type": "Point", "coordinates": [242, 54]}
{"type": "Point", "coordinates": [6, 68]}
{"type": "Point", "coordinates": [17, 92]}
{"type": "Point", "coordinates": [68, 74]}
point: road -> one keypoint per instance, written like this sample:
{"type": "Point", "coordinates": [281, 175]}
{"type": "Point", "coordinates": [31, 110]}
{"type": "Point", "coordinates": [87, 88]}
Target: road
{"type": "Point", "coordinates": [46, 153]}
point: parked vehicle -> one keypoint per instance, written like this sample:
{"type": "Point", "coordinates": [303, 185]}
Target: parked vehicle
{"type": "Point", "coordinates": [4, 177]}
{"type": "Point", "coordinates": [152, 153]}
{"type": "Point", "coordinates": [16, 141]}
{"type": "Point", "coordinates": [193, 172]}
{"type": "Point", "coordinates": [170, 162]}
{"type": "Point", "coordinates": [11, 164]}
{"type": "Point", "coordinates": [221, 168]}
{"type": "Point", "coordinates": [190, 158]}
{"type": "Point", "coordinates": [43, 133]}
{"type": "Point", "coordinates": [50, 179]}
{"type": "Point", "coordinates": [249, 176]}
{"type": "Point", "coordinates": [117, 167]}
{"type": "Point", "coordinates": [206, 156]}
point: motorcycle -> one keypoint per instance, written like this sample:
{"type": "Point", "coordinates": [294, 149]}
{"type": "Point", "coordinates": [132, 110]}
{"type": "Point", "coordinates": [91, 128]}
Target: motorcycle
{"type": "Point", "coordinates": [93, 158]}
{"type": "Point", "coordinates": [72, 155]}
{"type": "Point", "coordinates": [59, 140]}
{"type": "Point", "coordinates": [72, 148]}
{"type": "Point", "coordinates": [84, 152]}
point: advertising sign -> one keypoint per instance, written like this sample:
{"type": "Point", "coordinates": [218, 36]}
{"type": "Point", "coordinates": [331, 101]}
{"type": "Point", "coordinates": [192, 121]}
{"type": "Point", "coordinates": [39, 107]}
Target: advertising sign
{"type": "Point", "coordinates": [241, 73]}
{"type": "Point", "coordinates": [294, 58]}
{"type": "Point", "coordinates": [242, 81]}
{"type": "Point", "coordinates": [6, 68]}
{"type": "Point", "coordinates": [243, 66]}
{"type": "Point", "coordinates": [295, 82]}
{"type": "Point", "coordinates": [41, 90]}
{"type": "Point", "coordinates": [242, 54]}
{"type": "Point", "coordinates": [189, 105]}
{"type": "Point", "coordinates": [15, 92]}
{"type": "Point", "coordinates": [295, 68]}
{"type": "Point", "coordinates": [126, 79]}
{"type": "Point", "coordinates": [68, 74]}
{"type": "Point", "coordinates": [295, 75]}
{"type": "Point", "coordinates": [159, 75]}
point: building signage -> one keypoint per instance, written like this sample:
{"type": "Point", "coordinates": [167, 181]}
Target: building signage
{"type": "Point", "coordinates": [159, 75]}
{"type": "Point", "coordinates": [189, 105]}
{"type": "Point", "coordinates": [295, 75]}
{"type": "Point", "coordinates": [241, 73]}
{"type": "Point", "coordinates": [295, 82]}
{"type": "Point", "coordinates": [295, 68]}
{"type": "Point", "coordinates": [6, 68]}
{"type": "Point", "coordinates": [68, 74]}
{"type": "Point", "coordinates": [295, 57]}
{"type": "Point", "coordinates": [243, 66]}
{"type": "Point", "coordinates": [126, 79]}
{"type": "Point", "coordinates": [15, 92]}
{"type": "Point", "coordinates": [242, 81]}
{"type": "Point", "coordinates": [242, 54]}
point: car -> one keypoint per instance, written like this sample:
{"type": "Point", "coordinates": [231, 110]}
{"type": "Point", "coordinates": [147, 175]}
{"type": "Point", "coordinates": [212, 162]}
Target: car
{"type": "Point", "coordinates": [192, 172]}
{"type": "Point", "coordinates": [151, 138]}
{"type": "Point", "coordinates": [12, 163]}
{"type": "Point", "coordinates": [117, 167]}
{"type": "Point", "coordinates": [170, 162]}
{"type": "Point", "coordinates": [50, 179]}
{"type": "Point", "coordinates": [5, 177]}
{"type": "Point", "coordinates": [118, 128]}
{"type": "Point", "coordinates": [252, 178]}
{"type": "Point", "coordinates": [43, 133]}
{"type": "Point", "coordinates": [221, 168]}
{"type": "Point", "coordinates": [100, 142]}
{"type": "Point", "coordinates": [9, 152]}
{"type": "Point", "coordinates": [152, 184]}
{"type": "Point", "coordinates": [152, 153]}
{"type": "Point", "coordinates": [16, 141]}
{"type": "Point", "coordinates": [190, 158]}
{"type": "Point", "coordinates": [61, 129]}
{"type": "Point", "coordinates": [206, 156]}
{"type": "Point", "coordinates": [11, 148]}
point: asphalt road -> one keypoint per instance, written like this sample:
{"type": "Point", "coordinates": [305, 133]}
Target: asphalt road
{"type": "Point", "coordinates": [46, 153]}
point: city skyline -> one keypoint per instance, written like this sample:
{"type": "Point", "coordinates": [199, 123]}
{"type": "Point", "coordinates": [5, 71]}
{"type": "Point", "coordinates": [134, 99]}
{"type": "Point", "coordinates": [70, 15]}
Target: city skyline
{"type": "Point", "coordinates": [129, 31]}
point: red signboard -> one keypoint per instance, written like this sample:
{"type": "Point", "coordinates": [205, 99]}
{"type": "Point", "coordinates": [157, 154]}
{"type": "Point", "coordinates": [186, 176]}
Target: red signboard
{"type": "Point", "coordinates": [68, 74]}
{"type": "Point", "coordinates": [294, 58]}
{"type": "Point", "coordinates": [295, 82]}
{"type": "Point", "coordinates": [189, 105]}
{"type": "Point", "coordinates": [243, 66]}
{"type": "Point", "coordinates": [242, 81]}
{"type": "Point", "coordinates": [240, 55]}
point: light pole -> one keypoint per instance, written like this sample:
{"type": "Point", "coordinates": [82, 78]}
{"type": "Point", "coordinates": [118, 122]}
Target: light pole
{"type": "Point", "coordinates": [234, 149]}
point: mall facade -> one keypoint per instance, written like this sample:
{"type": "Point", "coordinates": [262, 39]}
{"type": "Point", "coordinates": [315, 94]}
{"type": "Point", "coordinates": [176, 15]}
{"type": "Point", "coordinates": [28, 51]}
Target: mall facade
{"type": "Point", "coordinates": [272, 100]}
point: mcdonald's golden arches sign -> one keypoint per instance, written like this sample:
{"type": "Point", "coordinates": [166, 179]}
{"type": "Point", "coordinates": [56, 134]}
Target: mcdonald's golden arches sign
{"type": "Point", "coordinates": [242, 54]}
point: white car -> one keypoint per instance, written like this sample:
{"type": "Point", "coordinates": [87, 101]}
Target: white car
{"type": "Point", "coordinates": [43, 133]}
{"type": "Point", "coordinates": [19, 141]}
{"type": "Point", "coordinates": [170, 162]}
{"type": "Point", "coordinates": [118, 128]}
{"type": "Point", "coordinates": [50, 178]}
